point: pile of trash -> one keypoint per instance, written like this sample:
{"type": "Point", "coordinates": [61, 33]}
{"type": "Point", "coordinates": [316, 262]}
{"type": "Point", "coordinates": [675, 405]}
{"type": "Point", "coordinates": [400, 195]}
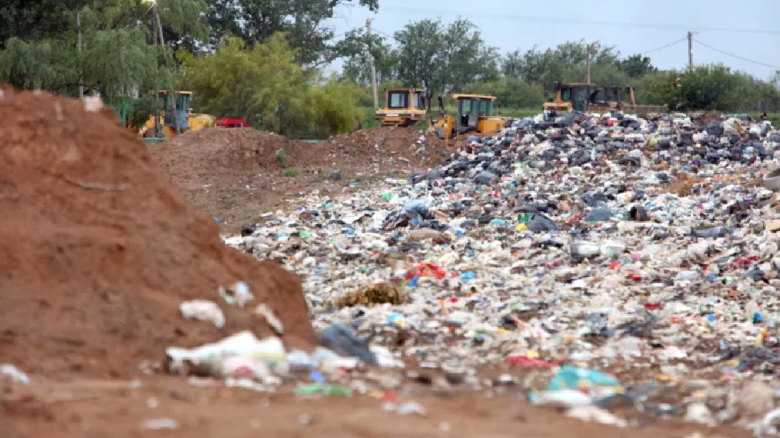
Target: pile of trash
{"type": "Point", "coordinates": [556, 252]}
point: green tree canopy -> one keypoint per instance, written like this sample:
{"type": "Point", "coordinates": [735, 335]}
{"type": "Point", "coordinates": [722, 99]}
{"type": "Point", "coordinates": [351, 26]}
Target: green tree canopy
{"type": "Point", "coordinates": [709, 87]}
{"type": "Point", "coordinates": [636, 66]}
{"type": "Point", "coordinates": [357, 68]}
{"type": "Point", "coordinates": [566, 62]}
{"type": "Point", "coordinates": [443, 59]}
{"type": "Point", "coordinates": [265, 84]}
{"type": "Point", "coordinates": [301, 20]}
{"type": "Point", "coordinates": [511, 92]}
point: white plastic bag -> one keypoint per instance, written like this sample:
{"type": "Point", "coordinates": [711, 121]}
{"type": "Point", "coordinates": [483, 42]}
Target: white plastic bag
{"type": "Point", "coordinates": [203, 310]}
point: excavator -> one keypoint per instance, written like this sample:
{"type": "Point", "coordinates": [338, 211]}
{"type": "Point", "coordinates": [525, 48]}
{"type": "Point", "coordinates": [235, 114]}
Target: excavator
{"type": "Point", "coordinates": [476, 113]}
{"type": "Point", "coordinates": [163, 125]}
{"type": "Point", "coordinates": [403, 107]}
{"type": "Point", "coordinates": [584, 97]}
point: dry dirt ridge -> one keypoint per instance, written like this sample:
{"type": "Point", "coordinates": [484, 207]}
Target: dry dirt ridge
{"type": "Point", "coordinates": [237, 174]}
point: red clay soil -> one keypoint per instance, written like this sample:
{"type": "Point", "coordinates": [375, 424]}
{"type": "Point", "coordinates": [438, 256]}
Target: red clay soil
{"type": "Point", "coordinates": [225, 150]}
{"type": "Point", "coordinates": [119, 409]}
{"type": "Point", "coordinates": [98, 250]}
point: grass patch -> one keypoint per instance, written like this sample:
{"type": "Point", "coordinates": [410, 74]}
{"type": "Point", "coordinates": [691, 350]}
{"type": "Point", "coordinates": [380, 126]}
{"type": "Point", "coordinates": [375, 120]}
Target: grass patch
{"type": "Point", "coordinates": [367, 120]}
{"type": "Point", "coordinates": [281, 157]}
{"type": "Point", "coordinates": [290, 172]}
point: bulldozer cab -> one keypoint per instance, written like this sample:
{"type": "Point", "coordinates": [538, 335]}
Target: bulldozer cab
{"type": "Point", "coordinates": [578, 95]}
{"type": "Point", "coordinates": [476, 113]}
{"type": "Point", "coordinates": [405, 99]}
{"type": "Point", "coordinates": [570, 97]}
{"type": "Point", "coordinates": [471, 108]}
{"type": "Point", "coordinates": [403, 107]}
{"type": "Point", "coordinates": [183, 100]}
{"type": "Point", "coordinates": [163, 124]}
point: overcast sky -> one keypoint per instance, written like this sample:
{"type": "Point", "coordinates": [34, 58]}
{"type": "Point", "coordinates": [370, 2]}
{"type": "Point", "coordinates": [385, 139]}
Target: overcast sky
{"type": "Point", "coordinates": [749, 28]}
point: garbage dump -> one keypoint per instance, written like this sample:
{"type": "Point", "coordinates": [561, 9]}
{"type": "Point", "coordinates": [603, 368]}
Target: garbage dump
{"type": "Point", "coordinates": [619, 270]}
{"type": "Point", "coordinates": [623, 268]}
{"type": "Point", "coordinates": [99, 251]}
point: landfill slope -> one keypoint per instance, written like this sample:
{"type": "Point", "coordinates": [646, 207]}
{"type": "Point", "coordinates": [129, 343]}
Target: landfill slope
{"type": "Point", "coordinates": [99, 249]}
{"type": "Point", "coordinates": [619, 268]}
{"type": "Point", "coordinates": [237, 174]}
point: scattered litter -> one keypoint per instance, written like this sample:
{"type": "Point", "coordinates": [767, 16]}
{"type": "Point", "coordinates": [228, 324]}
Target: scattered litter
{"type": "Point", "coordinates": [160, 424]}
{"type": "Point", "coordinates": [266, 312]}
{"type": "Point", "coordinates": [209, 359]}
{"type": "Point", "coordinates": [203, 310]}
{"type": "Point", "coordinates": [405, 408]}
{"type": "Point", "coordinates": [10, 372]}
{"type": "Point", "coordinates": [238, 293]}
{"type": "Point", "coordinates": [324, 389]}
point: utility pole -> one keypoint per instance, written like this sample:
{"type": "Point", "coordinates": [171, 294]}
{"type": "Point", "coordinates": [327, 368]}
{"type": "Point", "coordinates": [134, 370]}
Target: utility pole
{"type": "Point", "coordinates": [373, 68]}
{"type": "Point", "coordinates": [171, 93]}
{"type": "Point", "coordinates": [690, 51]}
{"type": "Point", "coordinates": [587, 63]}
{"type": "Point", "coordinates": [588, 52]}
{"type": "Point", "coordinates": [81, 77]}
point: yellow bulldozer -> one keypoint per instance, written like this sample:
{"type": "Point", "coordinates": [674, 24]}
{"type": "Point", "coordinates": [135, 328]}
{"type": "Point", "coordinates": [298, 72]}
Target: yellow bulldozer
{"type": "Point", "coordinates": [403, 107]}
{"type": "Point", "coordinates": [163, 125]}
{"type": "Point", "coordinates": [476, 113]}
{"type": "Point", "coordinates": [585, 97]}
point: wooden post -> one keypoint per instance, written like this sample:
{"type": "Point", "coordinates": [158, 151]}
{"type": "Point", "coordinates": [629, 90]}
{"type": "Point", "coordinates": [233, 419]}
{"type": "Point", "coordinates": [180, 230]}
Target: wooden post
{"type": "Point", "coordinates": [373, 67]}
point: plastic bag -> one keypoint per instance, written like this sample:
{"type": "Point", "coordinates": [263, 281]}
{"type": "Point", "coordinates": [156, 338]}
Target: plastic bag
{"type": "Point", "coordinates": [203, 310]}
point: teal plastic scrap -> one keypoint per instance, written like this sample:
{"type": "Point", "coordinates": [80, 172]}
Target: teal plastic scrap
{"type": "Point", "coordinates": [570, 377]}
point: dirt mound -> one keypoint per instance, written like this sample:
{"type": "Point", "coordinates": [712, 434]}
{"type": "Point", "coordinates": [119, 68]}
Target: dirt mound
{"type": "Point", "coordinates": [363, 147]}
{"type": "Point", "coordinates": [236, 174]}
{"type": "Point", "coordinates": [226, 150]}
{"type": "Point", "coordinates": [223, 150]}
{"type": "Point", "coordinates": [98, 249]}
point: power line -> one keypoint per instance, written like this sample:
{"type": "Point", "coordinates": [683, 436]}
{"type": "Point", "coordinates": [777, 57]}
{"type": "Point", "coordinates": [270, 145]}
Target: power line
{"type": "Point", "coordinates": [737, 56]}
{"type": "Point", "coordinates": [560, 20]}
{"type": "Point", "coordinates": [383, 33]}
{"type": "Point", "coordinates": [664, 46]}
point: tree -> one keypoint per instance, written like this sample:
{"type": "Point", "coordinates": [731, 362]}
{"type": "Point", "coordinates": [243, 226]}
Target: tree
{"type": "Point", "coordinates": [301, 20]}
{"type": "Point", "coordinates": [636, 66]}
{"type": "Point", "coordinates": [116, 63]}
{"type": "Point", "coordinates": [36, 20]}
{"type": "Point", "coordinates": [442, 60]}
{"type": "Point", "coordinates": [334, 108]}
{"type": "Point", "coordinates": [511, 92]}
{"type": "Point", "coordinates": [357, 67]}
{"type": "Point", "coordinates": [466, 58]}
{"type": "Point", "coordinates": [709, 87]}
{"type": "Point", "coordinates": [116, 59]}
{"type": "Point", "coordinates": [262, 83]}
{"type": "Point", "coordinates": [552, 65]}
{"type": "Point", "coordinates": [420, 57]}
{"type": "Point", "coordinates": [512, 65]}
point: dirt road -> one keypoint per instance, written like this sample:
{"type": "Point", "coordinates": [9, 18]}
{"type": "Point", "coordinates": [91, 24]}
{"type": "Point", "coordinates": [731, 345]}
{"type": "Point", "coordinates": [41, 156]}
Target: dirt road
{"type": "Point", "coordinates": [120, 408]}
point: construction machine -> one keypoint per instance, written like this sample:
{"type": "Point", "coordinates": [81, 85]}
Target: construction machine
{"type": "Point", "coordinates": [403, 107]}
{"type": "Point", "coordinates": [163, 125]}
{"type": "Point", "coordinates": [476, 113]}
{"type": "Point", "coordinates": [584, 97]}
